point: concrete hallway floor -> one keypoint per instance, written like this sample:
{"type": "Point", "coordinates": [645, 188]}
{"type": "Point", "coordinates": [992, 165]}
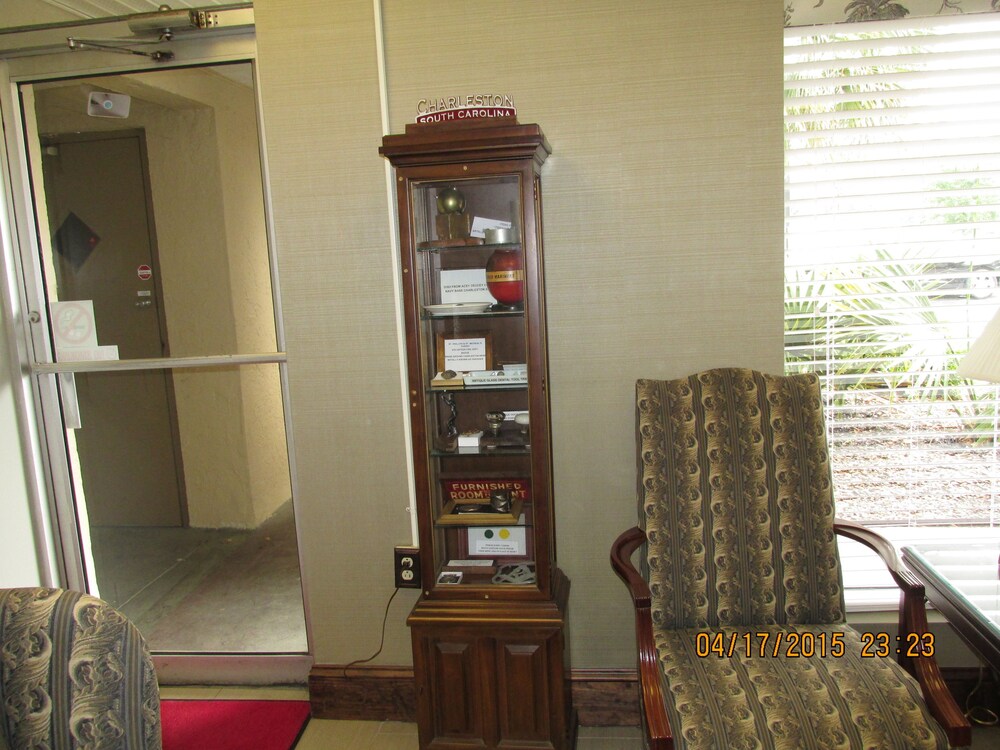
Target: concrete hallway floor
{"type": "Point", "coordinates": [206, 590]}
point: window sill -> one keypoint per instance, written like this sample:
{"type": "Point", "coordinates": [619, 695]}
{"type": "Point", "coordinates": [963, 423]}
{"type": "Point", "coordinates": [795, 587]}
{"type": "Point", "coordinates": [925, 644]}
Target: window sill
{"type": "Point", "coordinates": [868, 587]}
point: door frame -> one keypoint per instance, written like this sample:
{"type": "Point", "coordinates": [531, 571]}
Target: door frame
{"type": "Point", "coordinates": [59, 527]}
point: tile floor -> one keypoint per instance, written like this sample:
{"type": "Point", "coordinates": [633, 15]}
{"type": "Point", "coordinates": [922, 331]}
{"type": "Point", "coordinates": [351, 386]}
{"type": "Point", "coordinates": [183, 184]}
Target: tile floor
{"type": "Point", "coordinates": [323, 734]}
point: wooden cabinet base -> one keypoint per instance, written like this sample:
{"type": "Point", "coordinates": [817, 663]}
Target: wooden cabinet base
{"type": "Point", "coordinates": [493, 674]}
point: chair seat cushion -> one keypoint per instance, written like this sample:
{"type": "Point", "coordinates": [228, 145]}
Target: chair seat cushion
{"type": "Point", "coordinates": [736, 688]}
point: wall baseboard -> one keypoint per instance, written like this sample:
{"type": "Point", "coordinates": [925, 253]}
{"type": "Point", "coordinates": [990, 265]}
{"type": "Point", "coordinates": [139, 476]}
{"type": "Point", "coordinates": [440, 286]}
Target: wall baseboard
{"type": "Point", "coordinates": [973, 686]}
{"type": "Point", "coordinates": [364, 693]}
{"type": "Point", "coordinates": [605, 697]}
{"type": "Point", "coordinates": [601, 697]}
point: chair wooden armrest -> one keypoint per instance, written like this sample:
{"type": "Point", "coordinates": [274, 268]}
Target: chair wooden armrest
{"type": "Point", "coordinates": [912, 626]}
{"type": "Point", "coordinates": [654, 715]}
{"type": "Point", "coordinates": [906, 581]}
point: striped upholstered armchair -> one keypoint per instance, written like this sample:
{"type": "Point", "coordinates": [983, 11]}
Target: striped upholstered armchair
{"type": "Point", "coordinates": [74, 673]}
{"type": "Point", "coordinates": [738, 600]}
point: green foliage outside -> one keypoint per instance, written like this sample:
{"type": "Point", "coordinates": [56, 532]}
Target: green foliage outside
{"type": "Point", "coordinates": [875, 321]}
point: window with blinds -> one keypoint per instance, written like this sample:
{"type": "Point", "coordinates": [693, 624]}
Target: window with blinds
{"type": "Point", "coordinates": [892, 242]}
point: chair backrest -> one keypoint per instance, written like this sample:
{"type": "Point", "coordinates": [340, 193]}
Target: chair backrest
{"type": "Point", "coordinates": [736, 499]}
{"type": "Point", "coordinates": [74, 672]}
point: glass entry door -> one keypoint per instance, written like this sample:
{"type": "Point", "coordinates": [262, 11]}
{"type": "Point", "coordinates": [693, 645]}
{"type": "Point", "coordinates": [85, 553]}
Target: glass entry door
{"type": "Point", "coordinates": [161, 363]}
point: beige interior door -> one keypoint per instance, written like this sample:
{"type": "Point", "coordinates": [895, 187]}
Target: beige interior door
{"type": "Point", "coordinates": [104, 250]}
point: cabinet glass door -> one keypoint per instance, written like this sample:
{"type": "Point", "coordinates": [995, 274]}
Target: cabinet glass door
{"type": "Point", "coordinates": [468, 264]}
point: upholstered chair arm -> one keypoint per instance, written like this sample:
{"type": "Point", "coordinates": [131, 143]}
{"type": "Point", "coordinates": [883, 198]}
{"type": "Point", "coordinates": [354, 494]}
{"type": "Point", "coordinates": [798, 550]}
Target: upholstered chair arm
{"type": "Point", "coordinates": [654, 715]}
{"type": "Point", "coordinates": [912, 626]}
{"type": "Point", "coordinates": [76, 673]}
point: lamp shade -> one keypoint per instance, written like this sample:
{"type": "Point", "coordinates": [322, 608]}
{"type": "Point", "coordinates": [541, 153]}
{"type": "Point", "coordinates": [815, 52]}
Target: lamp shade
{"type": "Point", "coordinates": [983, 360]}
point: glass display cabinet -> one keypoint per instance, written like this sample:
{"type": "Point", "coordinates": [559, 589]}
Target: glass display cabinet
{"type": "Point", "coordinates": [489, 640]}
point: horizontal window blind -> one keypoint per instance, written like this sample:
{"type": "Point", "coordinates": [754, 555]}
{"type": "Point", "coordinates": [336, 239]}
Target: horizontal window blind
{"type": "Point", "coordinates": [892, 242]}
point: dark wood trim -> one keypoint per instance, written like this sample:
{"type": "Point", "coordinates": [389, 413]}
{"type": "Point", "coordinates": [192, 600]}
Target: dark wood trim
{"type": "Point", "coordinates": [606, 697]}
{"type": "Point", "coordinates": [963, 681]}
{"type": "Point", "coordinates": [363, 692]}
{"type": "Point", "coordinates": [601, 697]}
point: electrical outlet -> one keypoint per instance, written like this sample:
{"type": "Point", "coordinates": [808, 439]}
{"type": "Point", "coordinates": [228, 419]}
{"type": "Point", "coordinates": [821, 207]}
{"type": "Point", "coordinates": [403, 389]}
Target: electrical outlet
{"type": "Point", "coordinates": [407, 567]}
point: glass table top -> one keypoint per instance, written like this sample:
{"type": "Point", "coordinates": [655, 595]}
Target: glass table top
{"type": "Point", "coordinates": [968, 571]}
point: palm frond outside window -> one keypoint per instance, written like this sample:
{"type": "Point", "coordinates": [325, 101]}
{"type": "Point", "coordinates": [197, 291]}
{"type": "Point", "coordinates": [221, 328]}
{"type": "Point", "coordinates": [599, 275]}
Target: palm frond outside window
{"type": "Point", "coordinates": [893, 255]}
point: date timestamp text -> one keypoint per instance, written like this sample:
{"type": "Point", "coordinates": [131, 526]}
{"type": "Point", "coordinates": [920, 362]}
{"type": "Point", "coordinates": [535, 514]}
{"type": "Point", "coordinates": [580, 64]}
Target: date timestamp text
{"type": "Point", "coordinates": [792, 644]}
{"type": "Point", "coordinates": [910, 646]}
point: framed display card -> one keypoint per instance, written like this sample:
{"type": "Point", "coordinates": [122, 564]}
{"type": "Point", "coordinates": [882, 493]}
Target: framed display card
{"type": "Point", "coordinates": [465, 352]}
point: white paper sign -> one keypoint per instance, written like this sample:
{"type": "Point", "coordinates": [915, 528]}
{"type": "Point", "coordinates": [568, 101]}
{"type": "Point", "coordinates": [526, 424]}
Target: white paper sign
{"type": "Point", "coordinates": [74, 332]}
{"type": "Point", "coordinates": [498, 540]}
{"type": "Point", "coordinates": [480, 224]}
{"type": "Point", "coordinates": [465, 285]}
{"type": "Point", "coordinates": [98, 353]}
{"type": "Point", "coordinates": [73, 324]}
{"type": "Point", "coordinates": [463, 355]}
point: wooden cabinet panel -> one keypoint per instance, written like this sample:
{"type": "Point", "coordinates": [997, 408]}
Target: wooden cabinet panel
{"type": "Point", "coordinates": [523, 706]}
{"type": "Point", "coordinates": [454, 685]}
{"type": "Point", "coordinates": [498, 682]}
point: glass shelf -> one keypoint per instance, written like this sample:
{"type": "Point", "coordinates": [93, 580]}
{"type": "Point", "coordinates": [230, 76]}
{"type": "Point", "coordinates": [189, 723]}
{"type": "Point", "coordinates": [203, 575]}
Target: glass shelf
{"type": "Point", "coordinates": [451, 515]}
{"type": "Point", "coordinates": [424, 315]}
{"type": "Point", "coordinates": [477, 388]}
{"type": "Point", "coordinates": [424, 247]}
{"type": "Point", "coordinates": [484, 520]}
{"type": "Point", "coordinates": [481, 452]}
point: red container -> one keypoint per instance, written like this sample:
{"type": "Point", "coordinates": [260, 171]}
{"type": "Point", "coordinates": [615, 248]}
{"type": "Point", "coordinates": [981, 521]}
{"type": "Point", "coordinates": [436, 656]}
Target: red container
{"type": "Point", "coordinates": [505, 276]}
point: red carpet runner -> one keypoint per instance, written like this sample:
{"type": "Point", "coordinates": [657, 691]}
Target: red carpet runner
{"type": "Point", "coordinates": [232, 724]}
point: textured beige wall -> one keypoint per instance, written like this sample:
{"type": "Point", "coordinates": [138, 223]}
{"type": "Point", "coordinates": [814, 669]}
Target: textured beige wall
{"type": "Point", "coordinates": [240, 467]}
{"type": "Point", "coordinates": [663, 232]}
{"type": "Point", "coordinates": [251, 299]}
{"type": "Point", "coordinates": [319, 92]}
{"type": "Point", "coordinates": [30, 12]}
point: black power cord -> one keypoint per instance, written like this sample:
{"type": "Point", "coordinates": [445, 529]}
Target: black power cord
{"type": "Point", "coordinates": [981, 715]}
{"type": "Point", "coordinates": [385, 618]}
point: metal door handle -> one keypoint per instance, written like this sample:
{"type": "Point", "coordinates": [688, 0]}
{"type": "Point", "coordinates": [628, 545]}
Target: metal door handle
{"type": "Point", "coordinates": [70, 402]}
{"type": "Point", "coordinates": [144, 303]}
